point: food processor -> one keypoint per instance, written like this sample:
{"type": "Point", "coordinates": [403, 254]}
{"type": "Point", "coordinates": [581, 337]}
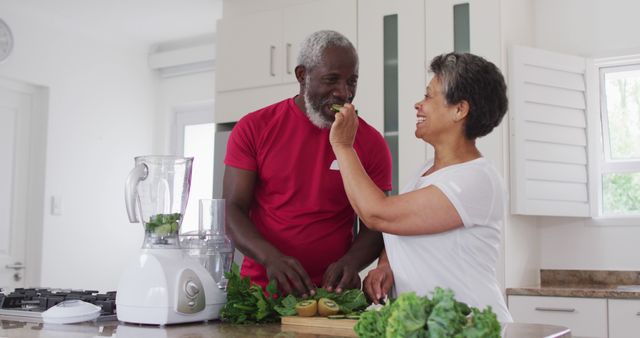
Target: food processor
{"type": "Point", "coordinates": [210, 244]}
{"type": "Point", "coordinates": [164, 284]}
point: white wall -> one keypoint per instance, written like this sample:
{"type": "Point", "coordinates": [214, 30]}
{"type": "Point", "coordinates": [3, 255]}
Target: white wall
{"type": "Point", "coordinates": [101, 107]}
{"type": "Point", "coordinates": [587, 28]}
{"type": "Point", "coordinates": [601, 28]}
{"type": "Point", "coordinates": [521, 235]}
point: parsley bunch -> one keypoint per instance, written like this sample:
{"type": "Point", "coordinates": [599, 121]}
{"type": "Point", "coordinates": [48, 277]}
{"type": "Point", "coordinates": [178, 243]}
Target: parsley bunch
{"type": "Point", "coordinates": [248, 303]}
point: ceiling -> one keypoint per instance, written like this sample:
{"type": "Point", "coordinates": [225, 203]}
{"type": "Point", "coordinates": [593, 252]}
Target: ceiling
{"type": "Point", "coordinates": [136, 21]}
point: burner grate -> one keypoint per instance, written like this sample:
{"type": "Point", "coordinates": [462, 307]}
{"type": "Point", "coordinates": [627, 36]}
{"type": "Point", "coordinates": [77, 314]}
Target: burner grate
{"type": "Point", "coordinates": [32, 302]}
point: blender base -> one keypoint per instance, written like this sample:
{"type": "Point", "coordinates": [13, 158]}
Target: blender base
{"type": "Point", "coordinates": [165, 316]}
{"type": "Point", "coordinates": [165, 286]}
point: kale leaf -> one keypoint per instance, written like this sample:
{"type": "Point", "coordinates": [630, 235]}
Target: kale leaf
{"type": "Point", "coordinates": [442, 316]}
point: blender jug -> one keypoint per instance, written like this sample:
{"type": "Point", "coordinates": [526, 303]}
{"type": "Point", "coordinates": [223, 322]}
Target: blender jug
{"type": "Point", "coordinates": [160, 186]}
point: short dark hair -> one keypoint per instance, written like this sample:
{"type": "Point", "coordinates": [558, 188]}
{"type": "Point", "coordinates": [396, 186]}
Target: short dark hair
{"type": "Point", "coordinates": [471, 78]}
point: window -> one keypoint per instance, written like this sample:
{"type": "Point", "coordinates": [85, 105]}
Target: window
{"type": "Point", "coordinates": [619, 184]}
{"type": "Point", "coordinates": [195, 137]}
{"type": "Point", "coordinates": [575, 136]}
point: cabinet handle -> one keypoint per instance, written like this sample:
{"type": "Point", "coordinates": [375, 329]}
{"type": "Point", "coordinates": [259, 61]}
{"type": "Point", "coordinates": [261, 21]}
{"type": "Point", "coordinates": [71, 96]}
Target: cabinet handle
{"type": "Point", "coordinates": [637, 313]}
{"type": "Point", "coordinates": [554, 309]}
{"type": "Point", "coordinates": [272, 51]}
{"type": "Point", "coordinates": [288, 58]}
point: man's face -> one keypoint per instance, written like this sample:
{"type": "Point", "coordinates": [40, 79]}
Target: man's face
{"type": "Point", "coordinates": [332, 81]}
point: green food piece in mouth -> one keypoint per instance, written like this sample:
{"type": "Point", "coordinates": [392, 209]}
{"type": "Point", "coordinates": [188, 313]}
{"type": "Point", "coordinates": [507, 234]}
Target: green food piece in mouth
{"type": "Point", "coordinates": [336, 107]}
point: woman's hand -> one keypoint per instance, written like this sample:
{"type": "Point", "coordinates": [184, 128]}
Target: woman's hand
{"type": "Point", "coordinates": [378, 283]}
{"type": "Point", "coordinates": [343, 129]}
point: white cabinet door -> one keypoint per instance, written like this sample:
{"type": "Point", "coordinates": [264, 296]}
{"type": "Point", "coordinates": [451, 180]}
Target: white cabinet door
{"type": "Point", "coordinates": [586, 317]}
{"type": "Point", "coordinates": [248, 51]}
{"type": "Point", "coordinates": [624, 318]}
{"type": "Point", "coordinates": [300, 21]}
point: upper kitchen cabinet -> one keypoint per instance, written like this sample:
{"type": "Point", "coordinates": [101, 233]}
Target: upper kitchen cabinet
{"type": "Point", "coordinates": [257, 53]}
{"type": "Point", "coordinates": [248, 50]}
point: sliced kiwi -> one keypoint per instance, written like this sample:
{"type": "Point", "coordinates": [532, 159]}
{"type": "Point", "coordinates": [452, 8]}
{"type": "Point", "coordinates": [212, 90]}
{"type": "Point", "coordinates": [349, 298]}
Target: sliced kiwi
{"type": "Point", "coordinates": [307, 308]}
{"type": "Point", "coordinates": [327, 307]}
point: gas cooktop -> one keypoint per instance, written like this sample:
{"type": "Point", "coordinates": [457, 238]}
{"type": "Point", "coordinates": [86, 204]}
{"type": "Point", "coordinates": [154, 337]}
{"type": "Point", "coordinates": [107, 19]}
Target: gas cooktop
{"type": "Point", "coordinates": [31, 302]}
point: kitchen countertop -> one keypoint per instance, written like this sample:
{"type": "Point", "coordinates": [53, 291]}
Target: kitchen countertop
{"type": "Point", "coordinates": [584, 283]}
{"type": "Point", "coordinates": [591, 291]}
{"type": "Point", "coordinates": [13, 328]}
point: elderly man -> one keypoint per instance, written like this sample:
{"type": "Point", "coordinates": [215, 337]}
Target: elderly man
{"type": "Point", "coordinates": [287, 210]}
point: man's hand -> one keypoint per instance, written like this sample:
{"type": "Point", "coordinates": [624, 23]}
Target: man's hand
{"type": "Point", "coordinates": [340, 276]}
{"type": "Point", "coordinates": [378, 283]}
{"type": "Point", "coordinates": [290, 275]}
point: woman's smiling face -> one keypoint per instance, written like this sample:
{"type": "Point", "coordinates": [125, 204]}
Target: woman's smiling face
{"type": "Point", "coordinates": [433, 113]}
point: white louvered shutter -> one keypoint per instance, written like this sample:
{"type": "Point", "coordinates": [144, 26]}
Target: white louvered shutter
{"type": "Point", "coordinates": [548, 150]}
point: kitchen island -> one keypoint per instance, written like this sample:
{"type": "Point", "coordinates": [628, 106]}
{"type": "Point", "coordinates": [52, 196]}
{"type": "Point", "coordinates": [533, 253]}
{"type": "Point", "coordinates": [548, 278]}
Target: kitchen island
{"type": "Point", "coordinates": [17, 328]}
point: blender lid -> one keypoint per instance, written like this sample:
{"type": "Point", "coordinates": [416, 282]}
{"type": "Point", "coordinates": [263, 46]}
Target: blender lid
{"type": "Point", "coordinates": [71, 311]}
{"type": "Point", "coordinates": [162, 158]}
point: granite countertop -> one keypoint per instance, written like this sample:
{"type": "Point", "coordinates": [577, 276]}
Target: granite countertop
{"type": "Point", "coordinates": [20, 329]}
{"type": "Point", "coordinates": [584, 283]}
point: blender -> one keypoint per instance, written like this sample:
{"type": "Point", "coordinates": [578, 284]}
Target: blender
{"type": "Point", "coordinates": [164, 285]}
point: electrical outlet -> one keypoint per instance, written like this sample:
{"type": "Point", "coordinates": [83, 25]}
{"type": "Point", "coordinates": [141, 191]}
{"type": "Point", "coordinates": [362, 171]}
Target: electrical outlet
{"type": "Point", "coordinates": [56, 205]}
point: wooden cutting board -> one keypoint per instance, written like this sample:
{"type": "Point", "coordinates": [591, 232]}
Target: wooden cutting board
{"type": "Point", "coordinates": [319, 325]}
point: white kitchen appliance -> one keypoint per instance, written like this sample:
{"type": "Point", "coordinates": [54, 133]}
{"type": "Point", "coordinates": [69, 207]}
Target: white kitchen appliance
{"type": "Point", "coordinates": [164, 285]}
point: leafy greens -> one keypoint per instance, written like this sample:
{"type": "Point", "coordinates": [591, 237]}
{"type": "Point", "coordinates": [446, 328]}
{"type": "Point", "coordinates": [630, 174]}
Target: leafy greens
{"type": "Point", "coordinates": [420, 317]}
{"type": "Point", "coordinates": [163, 224]}
{"type": "Point", "coordinates": [248, 303]}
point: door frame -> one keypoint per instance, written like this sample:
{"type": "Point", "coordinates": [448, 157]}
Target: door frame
{"type": "Point", "coordinates": [36, 170]}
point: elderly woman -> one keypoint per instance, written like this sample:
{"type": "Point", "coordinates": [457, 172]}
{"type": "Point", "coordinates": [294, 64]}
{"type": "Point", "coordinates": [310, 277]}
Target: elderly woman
{"type": "Point", "coordinates": [444, 228]}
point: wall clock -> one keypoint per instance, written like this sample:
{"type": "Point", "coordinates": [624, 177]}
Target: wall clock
{"type": "Point", "coordinates": [6, 41]}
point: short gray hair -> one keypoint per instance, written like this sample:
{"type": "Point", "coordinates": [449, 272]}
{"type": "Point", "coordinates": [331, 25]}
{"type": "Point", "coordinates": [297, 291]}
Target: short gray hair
{"type": "Point", "coordinates": [312, 47]}
{"type": "Point", "coordinates": [471, 78]}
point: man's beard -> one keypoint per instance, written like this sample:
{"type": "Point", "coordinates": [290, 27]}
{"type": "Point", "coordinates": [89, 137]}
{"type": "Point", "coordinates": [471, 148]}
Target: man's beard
{"type": "Point", "coordinates": [314, 114]}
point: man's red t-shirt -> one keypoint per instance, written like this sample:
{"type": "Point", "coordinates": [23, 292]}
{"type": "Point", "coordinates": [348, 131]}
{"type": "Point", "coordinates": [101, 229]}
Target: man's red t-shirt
{"type": "Point", "coordinates": [299, 204]}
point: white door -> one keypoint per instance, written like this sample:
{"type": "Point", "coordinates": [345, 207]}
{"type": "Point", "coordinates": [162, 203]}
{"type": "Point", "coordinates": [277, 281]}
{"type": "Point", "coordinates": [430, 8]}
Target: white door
{"type": "Point", "coordinates": [15, 115]}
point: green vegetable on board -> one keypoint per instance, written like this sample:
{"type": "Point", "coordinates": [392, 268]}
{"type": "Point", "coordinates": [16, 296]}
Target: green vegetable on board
{"type": "Point", "coordinates": [248, 303]}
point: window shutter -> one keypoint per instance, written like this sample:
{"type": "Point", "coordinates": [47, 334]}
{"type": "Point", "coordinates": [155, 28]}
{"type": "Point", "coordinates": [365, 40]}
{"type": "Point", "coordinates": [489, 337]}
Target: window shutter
{"type": "Point", "coordinates": [548, 149]}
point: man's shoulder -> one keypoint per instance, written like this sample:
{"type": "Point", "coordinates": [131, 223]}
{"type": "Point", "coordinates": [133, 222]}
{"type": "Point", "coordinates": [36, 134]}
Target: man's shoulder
{"type": "Point", "coordinates": [269, 112]}
{"type": "Point", "coordinates": [367, 131]}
